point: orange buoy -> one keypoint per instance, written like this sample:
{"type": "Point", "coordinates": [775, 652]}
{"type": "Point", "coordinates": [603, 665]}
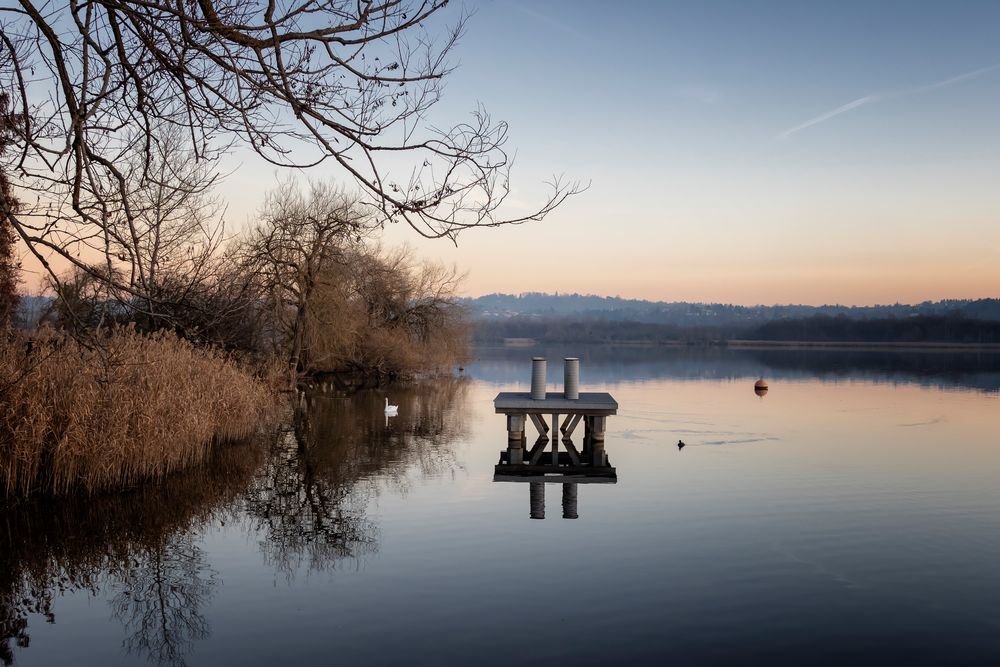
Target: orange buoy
{"type": "Point", "coordinates": [760, 387]}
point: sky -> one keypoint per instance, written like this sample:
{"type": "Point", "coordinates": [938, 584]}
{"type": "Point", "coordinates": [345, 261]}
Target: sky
{"type": "Point", "coordinates": [765, 152]}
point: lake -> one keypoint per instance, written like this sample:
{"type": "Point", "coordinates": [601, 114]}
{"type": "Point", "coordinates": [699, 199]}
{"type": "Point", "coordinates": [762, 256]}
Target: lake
{"type": "Point", "coordinates": [850, 515]}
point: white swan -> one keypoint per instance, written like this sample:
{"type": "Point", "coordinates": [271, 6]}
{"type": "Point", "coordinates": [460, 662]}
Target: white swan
{"type": "Point", "coordinates": [390, 409]}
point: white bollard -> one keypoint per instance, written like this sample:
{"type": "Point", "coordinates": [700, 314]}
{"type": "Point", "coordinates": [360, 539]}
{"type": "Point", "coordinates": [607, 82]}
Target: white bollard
{"type": "Point", "coordinates": [538, 367]}
{"type": "Point", "coordinates": [571, 378]}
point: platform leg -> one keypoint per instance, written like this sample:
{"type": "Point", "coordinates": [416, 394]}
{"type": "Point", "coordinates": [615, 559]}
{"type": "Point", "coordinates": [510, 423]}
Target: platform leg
{"type": "Point", "coordinates": [515, 438]}
{"type": "Point", "coordinates": [555, 439]}
{"type": "Point", "coordinates": [597, 426]}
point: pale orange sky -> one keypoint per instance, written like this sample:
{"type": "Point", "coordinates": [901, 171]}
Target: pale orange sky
{"type": "Point", "coordinates": [762, 154]}
{"type": "Point", "coordinates": [815, 158]}
{"type": "Point", "coordinates": [768, 242]}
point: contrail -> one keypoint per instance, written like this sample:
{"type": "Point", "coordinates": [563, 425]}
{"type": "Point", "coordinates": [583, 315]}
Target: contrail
{"type": "Point", "coordinates": [880, 97]}
{"type": "Point", "coordinates": [844, 108]}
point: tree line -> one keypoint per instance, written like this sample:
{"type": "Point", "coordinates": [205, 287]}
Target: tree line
{"type": "Point", "coordinates": [953, 328]}
{"type": "Point", "coordinates": [308, 283]}
{"type": "Point", "coordinates": [687, 314]}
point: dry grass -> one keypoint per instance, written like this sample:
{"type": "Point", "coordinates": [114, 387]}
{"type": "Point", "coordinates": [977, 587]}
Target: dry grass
{"type": "Point", "coordinates": [75, 418]}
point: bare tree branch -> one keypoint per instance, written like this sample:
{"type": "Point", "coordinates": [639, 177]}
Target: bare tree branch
{"type": "Point", "coordinates": [300, 82]}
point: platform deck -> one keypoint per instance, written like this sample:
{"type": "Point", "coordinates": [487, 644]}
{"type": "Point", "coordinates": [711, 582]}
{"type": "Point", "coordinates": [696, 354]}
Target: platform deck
{"type": "Point", "coordinates": [590, 403]}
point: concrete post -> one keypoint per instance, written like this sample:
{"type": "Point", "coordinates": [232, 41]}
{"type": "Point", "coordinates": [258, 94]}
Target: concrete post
{"type": "Point", "coordinates": [538, 368]}
{"type": "Point", "coordinates": [571, 378]}
{"type": "Point", "coordinates": [597, 426]}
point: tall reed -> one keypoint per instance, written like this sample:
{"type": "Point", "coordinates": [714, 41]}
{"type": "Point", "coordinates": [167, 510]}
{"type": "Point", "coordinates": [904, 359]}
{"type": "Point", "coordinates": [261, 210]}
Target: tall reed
{"type": "Point", "coordinates": [135, 407]}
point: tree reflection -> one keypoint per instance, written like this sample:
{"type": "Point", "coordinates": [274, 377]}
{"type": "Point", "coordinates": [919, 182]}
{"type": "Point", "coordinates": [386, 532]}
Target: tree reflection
{"type": "Point", "coordinates": [163, 591]}
{"type": "Point", "coordinates": [143, 541]}
{"type": "Point", "coordinates": [307, 494]}
{"type": "Point", "coordinates": [304, 516]}
{"type": "Point", "coordinates": [311, 500]}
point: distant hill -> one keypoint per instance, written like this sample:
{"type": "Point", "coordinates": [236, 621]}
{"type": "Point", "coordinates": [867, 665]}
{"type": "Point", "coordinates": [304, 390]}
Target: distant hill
{"type": "Point", "coordinates": [536, 305]}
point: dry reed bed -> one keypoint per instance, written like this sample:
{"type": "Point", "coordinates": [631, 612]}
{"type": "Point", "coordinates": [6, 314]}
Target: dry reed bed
{"type": "Point", "coordinates": [134, 408]}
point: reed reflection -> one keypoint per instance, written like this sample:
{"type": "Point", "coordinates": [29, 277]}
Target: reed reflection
{"type": "Point", "coordinates": [310, 501]}
{"type": "Point", "coordinates": [141, 544]}
{"type": "Point", "coordinates": [304, 491]}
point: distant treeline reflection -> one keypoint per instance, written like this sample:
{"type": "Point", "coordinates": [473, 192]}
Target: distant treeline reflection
{"type": "Point", "coordinates": [952, 328]}
{"type": "Point", "coordinates": [976, 369]}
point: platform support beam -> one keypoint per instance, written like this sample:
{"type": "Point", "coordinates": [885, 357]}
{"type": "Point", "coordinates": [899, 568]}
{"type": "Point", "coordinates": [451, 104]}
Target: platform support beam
{"type": "Point", "coordinates": [515, 438]}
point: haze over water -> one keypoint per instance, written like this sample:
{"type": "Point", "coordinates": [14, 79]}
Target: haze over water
{"type": "Point", "coordinates": [849, 513]}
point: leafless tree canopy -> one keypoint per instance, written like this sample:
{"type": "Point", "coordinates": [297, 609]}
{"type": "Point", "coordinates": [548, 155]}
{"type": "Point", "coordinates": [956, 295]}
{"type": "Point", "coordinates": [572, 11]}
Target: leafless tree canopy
{"type": "Point", "coordinates": [299, 238]}
{"type": "Point", "coordinates": [104, 89]}
{"type": "Point", "coordinates": [334, 300]}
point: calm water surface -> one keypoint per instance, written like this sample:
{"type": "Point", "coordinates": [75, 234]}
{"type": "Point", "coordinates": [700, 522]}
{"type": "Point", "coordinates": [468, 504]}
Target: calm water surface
{"type": "Point", "coordinates": [851, 515]}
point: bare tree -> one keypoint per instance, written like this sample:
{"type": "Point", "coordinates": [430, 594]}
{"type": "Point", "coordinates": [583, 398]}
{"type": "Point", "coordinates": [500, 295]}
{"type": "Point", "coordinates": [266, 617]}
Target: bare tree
{"type": "Point", "coordinates": [170, 237]}
{"type": "Point", "coordinates": [164, 265]}
{"type": "Point", "coordinates": [299, 82]}
{"type": "Point", "coordinates": [299, 237]}
{"type": "Point", "coordinates": [10, 267]}
{"type": "Point", "coordinates": [406, 313]}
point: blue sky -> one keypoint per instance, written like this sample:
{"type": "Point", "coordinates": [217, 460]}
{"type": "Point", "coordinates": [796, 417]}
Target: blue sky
{"type": "Point", "coordinates": [720, 166]}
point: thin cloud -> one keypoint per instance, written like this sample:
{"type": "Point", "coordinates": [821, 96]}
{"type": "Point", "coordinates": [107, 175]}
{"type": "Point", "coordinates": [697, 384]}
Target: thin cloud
{"type": "Point", "coordinates": [881, 97]}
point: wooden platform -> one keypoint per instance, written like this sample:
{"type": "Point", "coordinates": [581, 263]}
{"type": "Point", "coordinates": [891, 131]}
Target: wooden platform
{"type": "Point", "coordinates": [555, 418]}
{"type": "Point", "coordinates": [554, 457]}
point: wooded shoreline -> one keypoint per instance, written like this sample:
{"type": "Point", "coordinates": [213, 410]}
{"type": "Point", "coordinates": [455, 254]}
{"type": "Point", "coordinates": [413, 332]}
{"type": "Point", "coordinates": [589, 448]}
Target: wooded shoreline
{"type": "Point", "coordinates": [921, 331]}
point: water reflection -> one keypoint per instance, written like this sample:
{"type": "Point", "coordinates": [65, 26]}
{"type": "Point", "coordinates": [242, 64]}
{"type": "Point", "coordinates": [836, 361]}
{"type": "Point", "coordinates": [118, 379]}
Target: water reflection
{"type": "Point", "coordinates": [303, 494]}
{"type": "Point", "coordinates": [570, 492]}
{"type": "Point", "coordinates": [309, 503]}
{"type": "Point", "coordinates": [141, 543]}
{"type": "Point", "coordinates": [163, 592]}
{"type": "Point", "coordinates": [863, 523]}
{"type": "Point", "coordinates": [303, 515]}
{"type": "Point", "coordinates": [536, 494]}
{"type": "Point", "coordinates": [967, 369]}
